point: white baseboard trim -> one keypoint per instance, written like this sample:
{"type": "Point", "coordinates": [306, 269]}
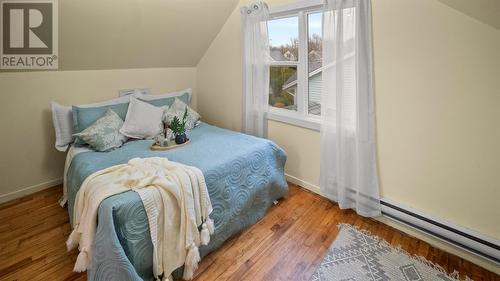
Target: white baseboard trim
{"type": "Point", "coordinates": [480, 245]}
{"type": "Point", "coordinates": [29, 190]}
{"type": "Point", "coordinates": [302, 183]}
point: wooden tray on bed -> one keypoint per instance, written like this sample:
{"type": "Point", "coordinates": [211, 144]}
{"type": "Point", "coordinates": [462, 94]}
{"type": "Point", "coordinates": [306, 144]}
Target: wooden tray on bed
{"type": "Point", "coordinates": [155, 146]}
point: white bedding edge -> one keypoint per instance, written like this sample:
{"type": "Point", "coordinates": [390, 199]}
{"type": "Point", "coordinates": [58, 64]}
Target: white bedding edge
{"type": "Point", "coordinates": [72, 152]}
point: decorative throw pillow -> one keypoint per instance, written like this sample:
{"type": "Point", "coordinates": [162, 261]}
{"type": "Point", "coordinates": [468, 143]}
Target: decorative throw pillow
{"type": "Point", "coordinates": [143, 120]}
{"type": "Point", "coordinates": [104, 134]}
{"type": "Point", "coordinates": [67, 123]}
{"type": "Point", "coordinates": [83, 117]}
{"type": "Point", "coordinates": [177, 109]}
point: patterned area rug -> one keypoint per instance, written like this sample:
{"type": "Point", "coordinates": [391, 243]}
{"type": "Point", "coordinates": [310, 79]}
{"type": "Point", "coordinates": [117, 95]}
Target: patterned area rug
{"type": "Point", "coordinates": [357, 255]}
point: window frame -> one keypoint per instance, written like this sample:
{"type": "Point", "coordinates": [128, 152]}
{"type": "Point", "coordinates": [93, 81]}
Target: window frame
{"type": "Point", "coordinates": [301, 116]}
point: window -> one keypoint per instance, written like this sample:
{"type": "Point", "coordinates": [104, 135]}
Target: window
{"type": "Point", "coordinates": [284, 43]}
{"type": "Point", "coordinates": [315, 62]}
{"type": "Point", "coordinates": [295, 39]}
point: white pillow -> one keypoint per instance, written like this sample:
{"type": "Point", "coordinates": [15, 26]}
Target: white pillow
{"type": "Point", "coordinates": [62, 117]}
{"type": "Point", "coordinates": [143, 120]}
{"type": "Point", "coordinates": [112, 101]}
{"type": "Point", "coordinates": [168, 95]}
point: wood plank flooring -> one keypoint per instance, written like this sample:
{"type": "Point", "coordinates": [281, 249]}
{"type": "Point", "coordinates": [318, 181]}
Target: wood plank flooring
{"type": "Point", "coordinates": [287, 244]}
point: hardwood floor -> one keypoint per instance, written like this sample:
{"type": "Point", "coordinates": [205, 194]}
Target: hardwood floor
{"type": "Point", "coordinates": [287, 244]}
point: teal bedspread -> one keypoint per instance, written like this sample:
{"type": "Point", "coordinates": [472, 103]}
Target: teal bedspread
{"type": "Point", "coordinates": [244, 175]}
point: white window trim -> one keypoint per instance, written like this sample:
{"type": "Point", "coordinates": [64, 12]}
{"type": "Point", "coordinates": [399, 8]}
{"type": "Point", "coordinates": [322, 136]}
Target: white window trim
{"type": "Point", "coordinates": [280, 11]}
{"type": "Point", "coordinates": [301, 117]}
{"type": "Point", "coordinates": [281, 115]}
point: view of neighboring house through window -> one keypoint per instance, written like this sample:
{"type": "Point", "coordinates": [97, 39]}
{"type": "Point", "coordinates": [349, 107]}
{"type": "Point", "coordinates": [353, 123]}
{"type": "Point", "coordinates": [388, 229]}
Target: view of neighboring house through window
{"type": "Point", "coordinates": [283, 40]}
{"type": "Point", "coordinates": [296, 68]}
{"type": "Point", "coordinates": [315, 59]}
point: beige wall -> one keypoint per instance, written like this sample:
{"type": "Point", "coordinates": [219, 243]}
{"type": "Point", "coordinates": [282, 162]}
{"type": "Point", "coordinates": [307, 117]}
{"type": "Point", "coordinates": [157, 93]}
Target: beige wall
{"type": "Point", "coordinates": [438, 117]}
{"type": "Point", "coordinates": [483, 10]}
{"type": "Point", "coordinates": [29, 159]}
{"type": "Point", "coordinates": [302, 148]}
{"type": "Point", "coordinates": [437, 97]}
{"type": "Point", "coordinates": [123, 34]}
{"type": "Point", "coordinates": [436, 84]}
{"type": "Point", "coordinates": [137, 34]}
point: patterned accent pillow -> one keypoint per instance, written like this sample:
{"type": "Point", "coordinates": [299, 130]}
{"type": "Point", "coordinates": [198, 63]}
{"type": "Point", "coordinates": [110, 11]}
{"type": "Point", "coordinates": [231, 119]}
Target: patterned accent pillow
{"type": "Point", "coordinates": [104, 134]}
{"type": "Point", "coordinates": [177, 109]}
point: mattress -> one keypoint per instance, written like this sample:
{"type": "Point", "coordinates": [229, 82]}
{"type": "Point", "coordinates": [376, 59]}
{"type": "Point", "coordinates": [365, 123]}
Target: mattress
{"type": "Point", "coordinates": [244, 175]}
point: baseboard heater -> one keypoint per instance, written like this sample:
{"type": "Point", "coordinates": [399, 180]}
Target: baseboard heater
{"type": "Point", "coordinates": [471, 241]}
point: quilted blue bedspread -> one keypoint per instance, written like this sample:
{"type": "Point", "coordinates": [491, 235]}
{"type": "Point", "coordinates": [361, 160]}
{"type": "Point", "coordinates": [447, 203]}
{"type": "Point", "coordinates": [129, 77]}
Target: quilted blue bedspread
{"type": "Point", "coordinates": [244, 175]}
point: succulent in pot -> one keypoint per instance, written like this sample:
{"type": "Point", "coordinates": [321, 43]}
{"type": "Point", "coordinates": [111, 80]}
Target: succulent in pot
{"type": "Point", "coordinates": [178, 127]}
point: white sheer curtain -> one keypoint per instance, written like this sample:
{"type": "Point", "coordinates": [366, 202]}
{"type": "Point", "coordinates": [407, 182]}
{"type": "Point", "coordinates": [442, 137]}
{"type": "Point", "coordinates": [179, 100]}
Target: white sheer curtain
{"type": "Point", "coordinates": [348, 173]}
{"type": "Point", "coordinates": [255, 45]}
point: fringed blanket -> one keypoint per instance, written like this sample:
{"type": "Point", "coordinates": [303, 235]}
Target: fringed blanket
{"type": "Point", "coordinates": [176, 201]}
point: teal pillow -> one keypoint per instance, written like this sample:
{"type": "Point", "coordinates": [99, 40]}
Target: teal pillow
{"type": "Point", "coordinates": [168, 101]}
{"type": "Point", "coordinates": [104, 134]}
{"type": "Point", "coordinates": [84, 117]}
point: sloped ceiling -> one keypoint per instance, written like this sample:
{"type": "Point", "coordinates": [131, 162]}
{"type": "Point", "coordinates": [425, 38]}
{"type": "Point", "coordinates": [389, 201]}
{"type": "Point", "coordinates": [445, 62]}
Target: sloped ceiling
{"type": "Point", "coordinates": [487, 11]}
{"type": "Point", "coordinates": [114, 34]}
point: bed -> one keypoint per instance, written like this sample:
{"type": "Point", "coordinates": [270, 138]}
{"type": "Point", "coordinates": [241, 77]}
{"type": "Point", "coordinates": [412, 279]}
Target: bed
{"type": "Point", "coordinates": [244, 175]}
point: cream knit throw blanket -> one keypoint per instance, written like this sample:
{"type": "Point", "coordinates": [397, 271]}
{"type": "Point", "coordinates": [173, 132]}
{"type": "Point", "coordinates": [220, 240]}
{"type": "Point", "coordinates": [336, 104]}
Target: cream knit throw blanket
{"type": "Point", "coordinates": [176, 200]}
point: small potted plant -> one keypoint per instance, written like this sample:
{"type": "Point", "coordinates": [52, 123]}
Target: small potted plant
{"type": "Point", "coordinates": [178, 127]}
